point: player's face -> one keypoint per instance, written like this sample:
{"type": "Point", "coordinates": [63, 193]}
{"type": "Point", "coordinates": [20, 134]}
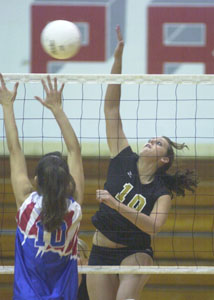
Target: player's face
{"type": "Point", "coordinates": [155, 147]}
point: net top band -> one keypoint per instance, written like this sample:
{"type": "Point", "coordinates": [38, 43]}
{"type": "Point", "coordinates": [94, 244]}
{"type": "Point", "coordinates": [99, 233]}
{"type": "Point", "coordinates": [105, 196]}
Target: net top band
{"type": "Point", "coordinates": [115, 78]}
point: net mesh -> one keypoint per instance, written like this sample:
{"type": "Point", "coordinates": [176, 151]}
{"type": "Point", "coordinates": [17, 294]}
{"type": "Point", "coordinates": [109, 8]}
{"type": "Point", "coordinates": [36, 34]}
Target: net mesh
{"type": "Point", "coordinates": [180, 107]}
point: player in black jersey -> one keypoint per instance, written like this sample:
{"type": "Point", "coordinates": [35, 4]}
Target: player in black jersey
{"type": "Point", "coordinates": [134, 203]}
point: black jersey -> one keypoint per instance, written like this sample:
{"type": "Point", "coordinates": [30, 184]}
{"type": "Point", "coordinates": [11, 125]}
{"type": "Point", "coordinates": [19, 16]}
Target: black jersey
{"type": "Point", "coordinates": [123, 183]}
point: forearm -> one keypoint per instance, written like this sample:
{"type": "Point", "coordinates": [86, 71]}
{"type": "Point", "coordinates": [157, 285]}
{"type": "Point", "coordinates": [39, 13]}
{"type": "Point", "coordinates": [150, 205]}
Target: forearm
{"type": "Point", "coordinates": [68, 133]}
{"type": "Point", "coordinates": [20, 182]}
{"type": "Point", "coordinates": [117, 66]}
{"type": "Point", "coordinates": [142, 221]}
{"type": "Point", "coordinates": [11, 129]}
{"type": "Point", "coordinates": [113, 93]}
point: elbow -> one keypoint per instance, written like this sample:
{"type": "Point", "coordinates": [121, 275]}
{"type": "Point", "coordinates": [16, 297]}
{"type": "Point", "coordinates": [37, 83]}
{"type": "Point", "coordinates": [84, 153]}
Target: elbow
{"type": "Point", "coordinates": [75, 150]}
{"type": "Point", "coordinates": [154, 230]}
{"type": "Point", "coordinates": [112, 113]}
{"type": "Point", "coordinates": [107, 107]}
{"type": "Point", "coordinates": [14, 148]}
{"type": "Point", "coordinates": [78, 149]}
{"type": "Point", "coordinates": [154, 233]}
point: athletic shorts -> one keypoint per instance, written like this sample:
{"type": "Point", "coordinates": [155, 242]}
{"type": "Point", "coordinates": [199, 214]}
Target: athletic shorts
{"type": "Point", "coordinates": [103, 256]}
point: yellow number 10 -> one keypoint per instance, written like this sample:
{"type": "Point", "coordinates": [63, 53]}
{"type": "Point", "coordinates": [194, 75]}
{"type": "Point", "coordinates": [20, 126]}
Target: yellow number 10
{"type": "Point", "coordinates": [138, 201]}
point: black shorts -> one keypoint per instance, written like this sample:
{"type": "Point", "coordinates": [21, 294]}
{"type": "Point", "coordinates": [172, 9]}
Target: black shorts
{"type": "Point", "coordinates": [82, 291]}
{"type": "Point", "coordinates": [103, 256]}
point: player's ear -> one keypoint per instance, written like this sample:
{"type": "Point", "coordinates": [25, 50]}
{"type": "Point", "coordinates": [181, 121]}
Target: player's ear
{"type": "Point", "coordinates": [35, 181]}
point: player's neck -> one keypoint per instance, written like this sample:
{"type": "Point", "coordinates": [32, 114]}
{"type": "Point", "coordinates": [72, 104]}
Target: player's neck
{"type": "Point", "coordinates": [146, 171]}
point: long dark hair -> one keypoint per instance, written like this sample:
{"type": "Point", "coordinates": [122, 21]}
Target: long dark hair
{"type": "Point", "coordinates": [55, 184]}
{"type": "Point", "coordinates": [181, 180]}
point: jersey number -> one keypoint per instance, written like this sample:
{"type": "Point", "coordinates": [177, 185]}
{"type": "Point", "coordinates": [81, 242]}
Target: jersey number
{"type": "Point", "coordinates": [54, 242]}
{"type": "Point", "coordinates": [138, 201]}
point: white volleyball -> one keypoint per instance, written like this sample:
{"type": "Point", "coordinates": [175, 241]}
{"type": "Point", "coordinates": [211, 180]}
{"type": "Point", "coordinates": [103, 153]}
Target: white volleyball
{"type": "Point", "coordinates": [61, 39]}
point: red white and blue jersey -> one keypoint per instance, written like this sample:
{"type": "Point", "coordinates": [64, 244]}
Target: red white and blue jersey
{"type": "Point", "coordinates": [46, 262]}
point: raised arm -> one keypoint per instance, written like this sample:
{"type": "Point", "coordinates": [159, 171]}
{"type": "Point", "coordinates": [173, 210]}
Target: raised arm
{"type": "Point", "coordinates": [20, 182]}
{"type": "Point", "coordinates": [114, 129]}
{"type": "Point", "coordinates": [53, 102]}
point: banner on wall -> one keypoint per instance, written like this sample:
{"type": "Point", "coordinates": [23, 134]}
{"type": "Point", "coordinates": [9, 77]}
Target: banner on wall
{"type": "Point", "coordinates": [95, 19]}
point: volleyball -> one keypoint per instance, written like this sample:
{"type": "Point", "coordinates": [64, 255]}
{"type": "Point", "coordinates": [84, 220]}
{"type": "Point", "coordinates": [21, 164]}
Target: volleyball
{"type": "Point", "coordinates": [61, 39]}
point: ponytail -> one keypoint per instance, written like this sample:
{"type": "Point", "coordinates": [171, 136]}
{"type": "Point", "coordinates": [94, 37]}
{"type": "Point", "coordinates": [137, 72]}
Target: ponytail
{"type": "Point", "coordinates": [181, 180]}
{"type": "Point", "coordinates": [55, 184]}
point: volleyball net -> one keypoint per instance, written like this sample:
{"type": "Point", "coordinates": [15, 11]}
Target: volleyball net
{"type": "Point", "coordinates": [178, 106]}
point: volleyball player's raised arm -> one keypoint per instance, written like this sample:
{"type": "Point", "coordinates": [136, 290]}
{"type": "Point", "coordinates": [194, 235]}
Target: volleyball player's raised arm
{"type": "Point", "coordinates": [114, 130]}
{"type": "Point", "coordinates": [53, 102]}
{"type": "Point", "coordinates": [22, 186]}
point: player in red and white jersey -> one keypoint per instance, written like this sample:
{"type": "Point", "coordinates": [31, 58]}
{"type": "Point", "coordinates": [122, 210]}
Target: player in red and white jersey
{"type": "Point", "coordinates": [47, 219]}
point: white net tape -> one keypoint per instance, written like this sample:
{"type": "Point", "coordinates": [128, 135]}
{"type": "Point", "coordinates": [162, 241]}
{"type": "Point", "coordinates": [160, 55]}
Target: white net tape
{"type": "Point", "coordinates": [131, 270]}
{"type": "Point", "coordinates": [115, 79]}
